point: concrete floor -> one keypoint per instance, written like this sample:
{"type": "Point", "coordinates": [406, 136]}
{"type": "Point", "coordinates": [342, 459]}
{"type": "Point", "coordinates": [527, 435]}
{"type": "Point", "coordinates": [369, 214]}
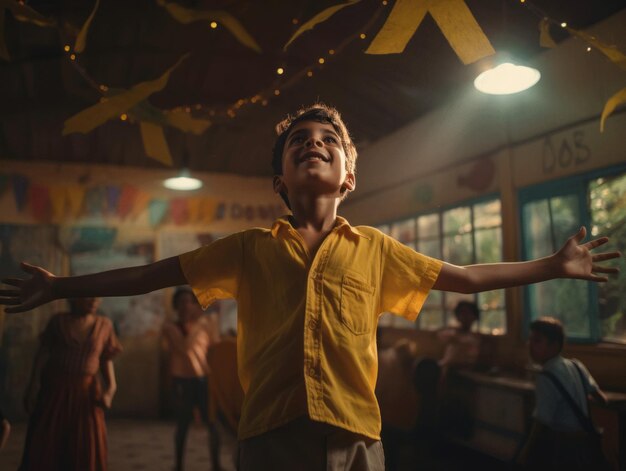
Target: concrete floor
{"type": "Point", "coordinates": [139, 445]}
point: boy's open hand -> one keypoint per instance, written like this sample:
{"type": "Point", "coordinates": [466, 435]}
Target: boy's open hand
{"type": "Point", "coordinates": [28, 293]}
{"type": "Point", "coordinates": [577, 261]}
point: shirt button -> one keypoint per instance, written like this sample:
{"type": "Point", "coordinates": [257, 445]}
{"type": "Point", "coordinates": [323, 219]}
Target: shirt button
{"type": "Point", "coordinates": [312, 324]}
{"type": "Point", "coordinates": [311, 371]}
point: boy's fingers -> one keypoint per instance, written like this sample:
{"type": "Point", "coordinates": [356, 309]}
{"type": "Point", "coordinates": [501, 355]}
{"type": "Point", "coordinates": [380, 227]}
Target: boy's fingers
{"type": "Point", "coordinates": [605, 256]}
{"type": "Point", "coordinates": [592, 244]}
{"type": "Point", "coordinates": [10, 292]}
{"type": "Point", "coordinates": [580, 235]}
{"type": "Point", "coordinates": [598, 279]}
{"type": "Point", "coordinates": [9, 301]}
{"type": "Point", "coordinates": [28, 268]}
{"type": "Point", "coordinates": [16, 309]}
{"type": "Point", "coordinates": [602, 269]}
{"type": "Point", "coordinates": [13, 281]}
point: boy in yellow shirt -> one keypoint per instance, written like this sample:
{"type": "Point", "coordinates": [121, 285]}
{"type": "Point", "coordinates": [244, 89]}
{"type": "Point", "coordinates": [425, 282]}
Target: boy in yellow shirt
{"type": "Point", "coordinates": [309, 292]}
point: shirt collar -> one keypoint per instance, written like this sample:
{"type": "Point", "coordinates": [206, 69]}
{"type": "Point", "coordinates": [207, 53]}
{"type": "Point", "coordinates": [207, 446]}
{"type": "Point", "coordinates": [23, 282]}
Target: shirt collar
{"type": "Point", "coordinates": [341, 225]}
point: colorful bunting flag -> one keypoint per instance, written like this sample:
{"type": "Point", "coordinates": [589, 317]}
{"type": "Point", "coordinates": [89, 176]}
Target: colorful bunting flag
{"type": "Point", "coordinates": [39, 197]}
{"type": "Point", "coordinates": [127, 200]}
{"type": "Point", "coordinates": [178, 211]}
{"type": "Point", "coordinates": [157, 211]}
{"type": "Point", "coordinates": [20, 191]}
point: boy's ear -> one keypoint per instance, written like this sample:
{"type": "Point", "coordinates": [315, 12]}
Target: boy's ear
{"type": "Point", "coordinates": [349, 184]}
{"type": "Point", "coordinates": [279, 185]}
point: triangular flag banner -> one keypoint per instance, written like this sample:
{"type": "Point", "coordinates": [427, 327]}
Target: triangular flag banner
{"type": "Point", "coordinates": [178, 211]}
{"type": "Point", "coordinates": [94, 201]}
{"type": "Point", "coordinates": [57, 201]}
{"type": "Point", "coordinates": [616, 100]}
{"type": "Point", "coordinates": [75, 195]}
{"type": "Point", "coordinates": [113, 197]}
{"type": "Point", "coordinates": [193, 209]}
{"type": "Point", "coordinates": [39, 197]}
{"type": "Point", "coordinates": [127, 201]}
{"type": "Point", "coordinates": [208, 209]}
{"type": "Point", "coordinates": [157, 210]}
{"type": "Point", "coordinates": [20, 191]}
{"type": "Point", "coordinates": [155, 144]}
{"type": "Point", "coordinates": [454, 19]}
{"type": "Point", "coordinates": [141, 202]}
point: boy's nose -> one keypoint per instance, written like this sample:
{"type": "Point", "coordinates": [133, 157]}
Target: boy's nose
{"type": "Point", "coordinates": [313, 141]}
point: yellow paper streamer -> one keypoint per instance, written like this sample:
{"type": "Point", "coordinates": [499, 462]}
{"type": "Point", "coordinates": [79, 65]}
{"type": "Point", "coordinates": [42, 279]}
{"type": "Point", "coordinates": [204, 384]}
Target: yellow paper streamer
{"type": "Point", "coordinates": [64, 198]}
{"type": "Point", "coordinates": [187, 15]}
{"type": "Point", "coordinates": [81, 39]}
{"type": "Point", "coordinates": [612, 103]}
{"type": "Point", "coordinates": [112, 107]}
{"type": "Point", "coordinates": [454, 19]}
{"type": "Point", "coordinates": [610, 51]}
{"type": "Point", "coordinates": [208, 206]}
{"type": "Point", "coordinates": [154, 143]}
{"type": "Point", "coordinates": [179, 119]}
{"type": "Point", "coordinates": [317, 19]}
{"type": "Point", "coordinates": [24, 13]}
{"type": "Point", "coordinates": [545, 39]}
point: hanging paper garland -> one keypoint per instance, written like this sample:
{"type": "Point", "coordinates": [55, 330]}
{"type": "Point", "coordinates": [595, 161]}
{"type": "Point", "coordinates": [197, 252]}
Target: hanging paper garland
{"type": "Point", "coordinates": [20, 191]}
{"type": "Point", "coordinates": [157, 210]}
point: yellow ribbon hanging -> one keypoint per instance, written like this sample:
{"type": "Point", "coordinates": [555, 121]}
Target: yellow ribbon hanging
{"type": "Point", "coordinates": [112, 107]}
{"type": "Point", "coordinates": [454, 18]}
{"type": "Point", "coordinates": [187, 15]}
{"type": "Point", "coordinates": [155, 144]}
{"type": "Point", "coordinates": [612, 103]}
{"type": "Point", "coordinates": [545, 39]}
{"type": "Point", "coordinates": [615, 55]}
{"type": "Point", "coordinates": [81, 39]}
{"type": "Point", "coordinates": [317, 19]}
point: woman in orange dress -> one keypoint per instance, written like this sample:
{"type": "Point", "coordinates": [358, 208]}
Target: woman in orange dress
{"type": "Point", "coordinates": [67, 431]}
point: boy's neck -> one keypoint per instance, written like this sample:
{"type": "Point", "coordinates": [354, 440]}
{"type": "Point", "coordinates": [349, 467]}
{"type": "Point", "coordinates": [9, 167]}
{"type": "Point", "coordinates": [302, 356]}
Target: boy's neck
{"type": "Point", "coordinates": [317, 214]}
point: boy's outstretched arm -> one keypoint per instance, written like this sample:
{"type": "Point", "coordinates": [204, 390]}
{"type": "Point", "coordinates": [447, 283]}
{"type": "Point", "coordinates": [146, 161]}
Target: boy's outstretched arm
{"type": "Point", "coordinates": [573, 260]}
{"type": "Point", "coordinates": [43, 287]}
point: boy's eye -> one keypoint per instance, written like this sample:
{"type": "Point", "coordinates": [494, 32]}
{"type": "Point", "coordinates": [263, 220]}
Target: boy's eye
{"type": "Point", "coordinates": [330, 139]}
{"type": "Point", "coordinates": [297, 140]}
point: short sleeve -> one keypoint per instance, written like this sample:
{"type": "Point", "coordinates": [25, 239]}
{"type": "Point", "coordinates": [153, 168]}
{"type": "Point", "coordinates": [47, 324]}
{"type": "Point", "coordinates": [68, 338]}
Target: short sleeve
{"type": "Point", "coordinates": [112, 346]}
{"type": "Point", "coordinates": [545, 400]}
{"type": "Point", "coordinates": [589, 384]}
{"type": "Point", "coordinates": [214, 271]}
{"type": "Point", "coordinates": [407, 278]}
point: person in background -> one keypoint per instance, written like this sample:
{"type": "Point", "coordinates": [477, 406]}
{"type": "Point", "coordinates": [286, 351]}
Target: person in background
{"type": "Point", "coordinates": [562, 435]}
{"type": "Point", "coordinates": [187, 341]}
{"type": "Point", "coordinates": [65, 398]}
{"type": "Point", "coordinates": [462, 346]}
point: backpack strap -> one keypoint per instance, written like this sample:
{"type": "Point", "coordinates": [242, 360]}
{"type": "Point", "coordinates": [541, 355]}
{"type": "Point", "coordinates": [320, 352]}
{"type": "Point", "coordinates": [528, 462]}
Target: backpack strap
{"type": "Point", "coordinates": [584, 420]}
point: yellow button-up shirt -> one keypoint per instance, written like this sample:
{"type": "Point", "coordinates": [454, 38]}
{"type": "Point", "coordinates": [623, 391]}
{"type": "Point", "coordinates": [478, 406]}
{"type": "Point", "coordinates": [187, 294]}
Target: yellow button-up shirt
{"type": "Point", "coordinates": [307, 326]}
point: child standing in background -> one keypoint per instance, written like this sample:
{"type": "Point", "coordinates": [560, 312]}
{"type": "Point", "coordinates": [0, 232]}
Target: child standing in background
{"type": "Point", "coordinates": [67, 430]}
{"type": "Point", "coordinates": [187, 342]}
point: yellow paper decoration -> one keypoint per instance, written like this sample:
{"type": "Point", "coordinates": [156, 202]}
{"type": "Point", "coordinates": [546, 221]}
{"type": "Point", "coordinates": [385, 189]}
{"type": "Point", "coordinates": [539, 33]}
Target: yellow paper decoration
{"type": "Point", "coordinates": [154, 143]}
{"type": "Point", "coordinates": [208, 207]}
{"type": "Point", "coordinates": [64, 198]}
{"type": "Point", "coordinates": [615, 55]}
{"type": "Point", "coordinates": [24, 13]}
{"type": "Point", "coordinates": [81, 39]}
{"type": "Point", "coordinates": [545, 39]}
{"type": "Point", "coordinates": [319, 18]}
{"type": "Point", "coordinates": [612, 103]}
{"type": "Point", "coordinates": [193, 209]}
{"type": "Point", "coordinates": [179, 119]}
{"type": "Point", "coordinates": [454, 19]}
{"type": "Point", "coordinates": [57, 202]}
{"type": "Point", "coordinates": [187, 15]}
{"type": "Point", "coordinates": [113, 107]}
{"type": "Point", "coordinates": [75, 195]}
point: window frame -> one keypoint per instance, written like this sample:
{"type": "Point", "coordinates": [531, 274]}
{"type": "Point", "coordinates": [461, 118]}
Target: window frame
{"type": "Point", "coordinates": [578, 186]}
{"type": "Point", "coordinates": [440, 210]}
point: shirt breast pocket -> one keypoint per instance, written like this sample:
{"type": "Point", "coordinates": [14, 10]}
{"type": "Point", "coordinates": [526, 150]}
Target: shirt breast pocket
{"type": "Point", "coordinates": [357, 299]}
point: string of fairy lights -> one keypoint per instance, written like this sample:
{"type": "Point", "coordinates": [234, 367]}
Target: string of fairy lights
{"type": "Point", "coordinates": [283, 80]}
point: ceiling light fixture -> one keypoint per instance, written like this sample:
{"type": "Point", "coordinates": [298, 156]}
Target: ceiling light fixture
{"type": "Point", "coordinates": [183, 182]}
{"type": "Point", "coordinates": [506, 79]}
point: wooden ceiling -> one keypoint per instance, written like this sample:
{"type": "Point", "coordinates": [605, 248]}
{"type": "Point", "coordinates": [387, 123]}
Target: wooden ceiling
{"type": "Point", "coordinates": [134, 41]}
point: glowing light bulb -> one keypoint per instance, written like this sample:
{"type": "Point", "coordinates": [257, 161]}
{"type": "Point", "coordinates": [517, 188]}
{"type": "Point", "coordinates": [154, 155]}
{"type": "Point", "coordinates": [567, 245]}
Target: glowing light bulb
{"type": "Point", "coordinates": [506, 79]}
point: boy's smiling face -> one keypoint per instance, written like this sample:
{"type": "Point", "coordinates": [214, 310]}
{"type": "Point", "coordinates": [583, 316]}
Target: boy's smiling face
{"type": "Point", "coordinates": [314, 160]}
